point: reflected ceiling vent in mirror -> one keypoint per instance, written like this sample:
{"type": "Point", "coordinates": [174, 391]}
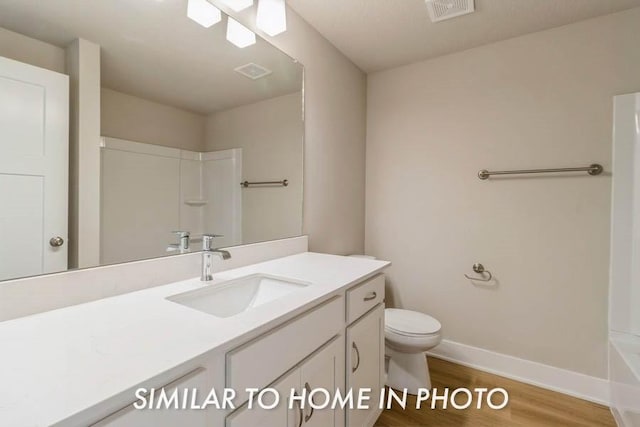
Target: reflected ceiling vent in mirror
{"type": "Point", "coordinates": [253, 71]}
{"type": "Point", "coordinates": [440, 10]}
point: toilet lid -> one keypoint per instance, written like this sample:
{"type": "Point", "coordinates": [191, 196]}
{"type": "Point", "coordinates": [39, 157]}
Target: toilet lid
{"type": "Point", "coordinates": [410, 322]}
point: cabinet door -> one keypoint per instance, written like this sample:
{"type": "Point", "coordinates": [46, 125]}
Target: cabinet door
{"type": "Point", "coordinates": [365, 364]}
{"type": "Point", "coordinates": [280, 416]}
{"type": "Point", "coordinates": [130, 416]}
{"type": "Point", "coordinates": [324, 370]}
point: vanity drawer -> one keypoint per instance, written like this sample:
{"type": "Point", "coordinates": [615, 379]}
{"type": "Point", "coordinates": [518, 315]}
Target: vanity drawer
{"type": "Point", "coordinates": [364, 297]}
{"type": "Point", "coordinates": [259, 362]}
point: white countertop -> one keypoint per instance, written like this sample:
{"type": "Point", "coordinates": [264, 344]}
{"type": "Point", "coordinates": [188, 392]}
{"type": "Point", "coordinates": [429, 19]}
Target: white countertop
{"type": "Point", "coordinates": [59, 363]}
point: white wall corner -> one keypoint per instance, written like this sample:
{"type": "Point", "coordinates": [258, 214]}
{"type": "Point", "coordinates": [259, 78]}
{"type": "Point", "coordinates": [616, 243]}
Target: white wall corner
{"type": "Point", "coordinates": [83, 68]}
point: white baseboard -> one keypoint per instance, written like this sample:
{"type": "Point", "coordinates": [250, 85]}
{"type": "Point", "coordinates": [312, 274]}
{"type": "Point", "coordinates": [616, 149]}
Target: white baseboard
{"type": "Point", "coordinates": [617, 417]}
{"type": "Point", "coordinates": [561, 380]}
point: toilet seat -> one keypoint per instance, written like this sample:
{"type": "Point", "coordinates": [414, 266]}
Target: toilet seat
{"type": "Point", "coordinates": [410, 323]}
{"type": "Point", "coordinates": [410, 331]}
{"type": "Point", "coordinates": [389, 331]}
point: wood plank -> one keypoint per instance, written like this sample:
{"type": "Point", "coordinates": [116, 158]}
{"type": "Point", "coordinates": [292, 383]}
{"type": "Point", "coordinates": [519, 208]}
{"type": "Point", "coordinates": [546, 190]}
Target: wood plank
{"type": "Point", "coordinates": [528, 405]}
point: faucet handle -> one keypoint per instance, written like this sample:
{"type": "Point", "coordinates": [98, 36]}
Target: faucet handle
{"type": "Point", "coordinates": [181, 233]}
{"type": "Point", "coordinates": [207, 240]}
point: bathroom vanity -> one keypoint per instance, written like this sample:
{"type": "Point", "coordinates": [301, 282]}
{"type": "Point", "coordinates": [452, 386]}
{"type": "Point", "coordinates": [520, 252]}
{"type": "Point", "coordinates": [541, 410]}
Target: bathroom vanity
{"type": "Point", "coordinates": [301, 322]}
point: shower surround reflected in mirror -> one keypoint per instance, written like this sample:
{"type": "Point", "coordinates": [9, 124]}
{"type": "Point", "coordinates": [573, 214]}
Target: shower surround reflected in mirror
{"type": "Point", "coordinates": [117, 130]}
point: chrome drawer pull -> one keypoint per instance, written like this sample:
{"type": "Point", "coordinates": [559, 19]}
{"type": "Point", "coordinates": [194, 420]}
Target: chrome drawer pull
{"type": "Point", "coordinates": [308, 417]}
{"type": "Point", "coordinates": [355, 347]}
{"type": "Point", "coordinates": [370, 296]}
{"type": "Point", "coordinates": [301, 414]}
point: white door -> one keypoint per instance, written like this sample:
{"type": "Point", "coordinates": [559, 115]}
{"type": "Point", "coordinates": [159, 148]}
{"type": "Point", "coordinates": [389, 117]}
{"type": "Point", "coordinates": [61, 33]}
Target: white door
{"type": "Point", "coordinates": [34, 141]}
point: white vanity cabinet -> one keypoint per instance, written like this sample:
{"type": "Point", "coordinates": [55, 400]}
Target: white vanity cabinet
{"type": "Point", "coordinates": [261, 361]}
{"type": "Point", "coordinates": [129, 416]}
{"type": "Point", "coordinates": [365, 348]}
{"type": "Point", "coordinates": [335, 345]}
{"type": "Point", "coordinates": [352, 359]}
{"type": "Point", "coordinates": [323, 369]}
{"type": "Point", "coordinates": [302, 322]}
{"type": "Point", "coordinates": [282, 415]}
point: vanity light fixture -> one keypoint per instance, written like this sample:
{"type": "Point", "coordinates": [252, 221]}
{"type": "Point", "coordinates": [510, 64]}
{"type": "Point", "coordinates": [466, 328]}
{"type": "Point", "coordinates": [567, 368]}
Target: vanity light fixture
{"type": "Point", "coordinates": [203, 12]}
{"type": "Point", "coordinates": [238, 5]}
{"type": "Point", "coordinates": [272, 16]}
{"type": "Point", "coordinates": [239, 35]}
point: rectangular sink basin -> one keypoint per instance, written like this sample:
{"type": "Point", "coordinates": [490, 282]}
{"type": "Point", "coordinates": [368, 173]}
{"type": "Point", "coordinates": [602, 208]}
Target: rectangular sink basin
{"type": "Point", "coordinates": [238, 295]}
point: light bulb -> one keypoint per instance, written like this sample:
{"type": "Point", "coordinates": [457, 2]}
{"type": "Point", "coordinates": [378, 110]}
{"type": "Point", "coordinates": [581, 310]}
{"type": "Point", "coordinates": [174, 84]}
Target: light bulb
{"type": "Point", "coordinates": [203, 12]}
{"type": "Point", "coordinates": [239, 35]}
{"type": "Point", "coordinates": [272, 16]}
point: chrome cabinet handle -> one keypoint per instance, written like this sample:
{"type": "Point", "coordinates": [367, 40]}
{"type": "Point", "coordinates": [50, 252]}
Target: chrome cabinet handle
{"type": "Point", "coordinates": [308, 417]}
{"type": "Point", "coordinates": [355, 347]}
{"type": "Point", "coordinates": [301, 413]}
{"type": "Point", "coordinates": [56, 242]}
{"type": "Point", "coordinates": [370, 296]}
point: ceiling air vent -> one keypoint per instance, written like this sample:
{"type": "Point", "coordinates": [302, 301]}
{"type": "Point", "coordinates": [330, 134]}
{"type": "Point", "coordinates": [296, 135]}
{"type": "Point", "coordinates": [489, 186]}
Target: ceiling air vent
{"type": "Point", "coordinates": [253, 71]}
{"type": "Point", "coordinates": [439, 10]}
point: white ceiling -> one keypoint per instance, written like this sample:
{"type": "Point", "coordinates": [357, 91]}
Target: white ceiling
{"type": "Point", "coordinates": [381, 34]}
{"type": "Point", "coordinates": [151, 49]}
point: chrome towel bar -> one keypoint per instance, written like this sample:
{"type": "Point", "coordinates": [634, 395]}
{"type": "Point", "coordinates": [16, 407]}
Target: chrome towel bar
{"type": "Point", "coordinates": [594, 169]}
{"type": "Point", "coordinates": [283, 183]}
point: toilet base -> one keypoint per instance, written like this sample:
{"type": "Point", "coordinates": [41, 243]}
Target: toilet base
{"type": "Point", "coordinates": [407, 371]}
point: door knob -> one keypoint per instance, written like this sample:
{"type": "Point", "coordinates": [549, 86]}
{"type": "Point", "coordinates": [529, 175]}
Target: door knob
{"type": "Point", "coordinates": [56, 242]}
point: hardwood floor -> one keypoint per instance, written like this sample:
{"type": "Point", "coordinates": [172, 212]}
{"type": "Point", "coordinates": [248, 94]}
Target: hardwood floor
{"type": "Point", "coordinates": [528, 405]}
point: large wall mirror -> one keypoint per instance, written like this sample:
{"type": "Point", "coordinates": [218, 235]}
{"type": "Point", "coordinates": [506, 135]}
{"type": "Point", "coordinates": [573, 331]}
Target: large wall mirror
{"type": "Point", "coordinates": [125, 125]}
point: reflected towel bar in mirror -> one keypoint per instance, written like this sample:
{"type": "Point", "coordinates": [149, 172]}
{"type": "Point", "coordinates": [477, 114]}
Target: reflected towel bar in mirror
{"type": "Point", "coordinates": [593, 169]}
{"type": "Point", "coordinates": [283, 183]}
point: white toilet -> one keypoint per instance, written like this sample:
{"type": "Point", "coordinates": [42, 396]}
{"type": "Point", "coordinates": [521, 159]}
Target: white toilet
{"type": "Point", "coordinates": [408, 335]}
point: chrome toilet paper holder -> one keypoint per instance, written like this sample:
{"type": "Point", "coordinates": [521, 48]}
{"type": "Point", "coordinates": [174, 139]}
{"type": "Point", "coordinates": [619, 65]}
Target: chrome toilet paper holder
{"type": "Point", "coordinates": [479, 268]}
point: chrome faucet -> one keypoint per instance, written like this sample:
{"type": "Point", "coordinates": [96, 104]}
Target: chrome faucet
{"type": "Point", "coordinates": [183, 243]}
{"type": "Point", "coordinates": [207, 256]}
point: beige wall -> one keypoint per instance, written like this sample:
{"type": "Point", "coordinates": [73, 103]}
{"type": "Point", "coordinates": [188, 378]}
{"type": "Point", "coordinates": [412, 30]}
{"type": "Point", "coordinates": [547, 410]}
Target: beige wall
{"type": "Point", "coordinates": [270, 134]}
{"type": "Point", "coordinates": [31, 51]}
{"type": "Point", "coordinates": [335, 104]}
{"type": "Point", "coordinates": [135, 119]}
{"type": "Point", "coordinates": [541, 100]}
